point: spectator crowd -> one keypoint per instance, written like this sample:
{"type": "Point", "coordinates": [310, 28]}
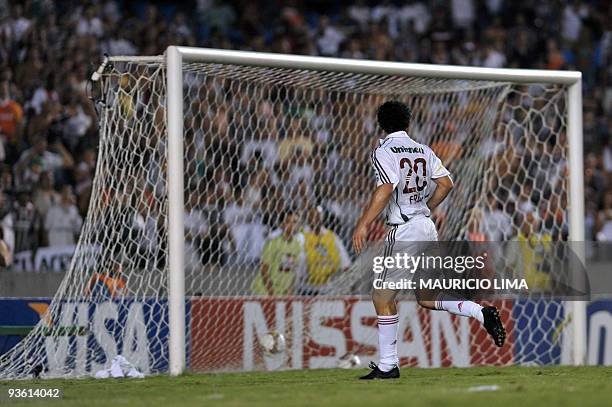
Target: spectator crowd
{"type": "Point", "coordinates": [48, 124]}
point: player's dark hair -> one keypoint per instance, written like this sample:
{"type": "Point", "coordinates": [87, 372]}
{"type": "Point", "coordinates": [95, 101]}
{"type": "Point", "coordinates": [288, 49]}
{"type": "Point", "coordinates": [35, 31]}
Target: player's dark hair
{"type": "Point", "coordinates": [394, 116]}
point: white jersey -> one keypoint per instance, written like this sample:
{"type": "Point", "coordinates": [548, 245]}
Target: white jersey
{"type": "Point", "coordinates": [410, 167]}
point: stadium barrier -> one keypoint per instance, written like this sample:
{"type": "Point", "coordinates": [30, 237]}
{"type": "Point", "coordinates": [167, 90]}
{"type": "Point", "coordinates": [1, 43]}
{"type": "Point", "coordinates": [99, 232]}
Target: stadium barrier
{"type": "Point", "coordinates": [335, 326]}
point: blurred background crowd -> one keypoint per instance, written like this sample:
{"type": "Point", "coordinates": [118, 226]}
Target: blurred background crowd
{"type": "Point", "coordinates": [48, 49]}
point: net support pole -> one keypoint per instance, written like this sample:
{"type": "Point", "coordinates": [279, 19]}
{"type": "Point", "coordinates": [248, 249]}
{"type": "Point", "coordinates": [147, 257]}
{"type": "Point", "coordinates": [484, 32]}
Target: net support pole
{"type": "Point", "coordinates": [176, 270]}
{"type": "Point", "coordinates": [576, 218]}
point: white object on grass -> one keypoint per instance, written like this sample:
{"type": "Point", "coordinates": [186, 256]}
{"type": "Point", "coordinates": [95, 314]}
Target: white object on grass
{"type": "Point", "coordinates": [493, 387]}
{"type": "Point", "coordinates": [120, 367]}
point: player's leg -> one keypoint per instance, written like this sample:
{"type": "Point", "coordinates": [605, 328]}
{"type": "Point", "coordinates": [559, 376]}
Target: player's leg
{"type": "Point", "coordinates": [488, 316]}
{"type": "Point", "coordinates": [388, 323]}
{"type": "Point", "coordinates": [445, 301]}
{"type": "Point", "coordinates": [424, 229]}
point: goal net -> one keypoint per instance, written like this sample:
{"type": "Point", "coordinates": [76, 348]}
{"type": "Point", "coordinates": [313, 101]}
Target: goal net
{"type": "Point", "coordinates": [257, 142]}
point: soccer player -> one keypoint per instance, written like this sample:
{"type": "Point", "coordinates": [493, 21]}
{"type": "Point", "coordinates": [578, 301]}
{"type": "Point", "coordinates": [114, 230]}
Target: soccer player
{"type": "Point", "coordinates": [404, 172]}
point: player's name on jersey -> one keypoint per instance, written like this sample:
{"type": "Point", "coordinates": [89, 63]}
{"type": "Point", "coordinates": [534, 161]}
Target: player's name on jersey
{"type": "Point", "coordinates": [410, 150]}
{"type": "Point", "coordinates": [503, 284]}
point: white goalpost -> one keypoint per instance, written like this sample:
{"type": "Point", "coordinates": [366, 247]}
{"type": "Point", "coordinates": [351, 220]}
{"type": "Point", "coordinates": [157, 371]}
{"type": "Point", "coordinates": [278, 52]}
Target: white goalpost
{"type": "Point", "coordinates": [176, 206]}
{"type": "Point", "coordinates": [202, 150]}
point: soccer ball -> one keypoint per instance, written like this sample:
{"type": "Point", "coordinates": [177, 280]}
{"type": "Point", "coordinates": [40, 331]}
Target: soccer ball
{"type": "Point", "coordinates": [272, 342]}
{"type": "Point", "coordinates": [349, 361]}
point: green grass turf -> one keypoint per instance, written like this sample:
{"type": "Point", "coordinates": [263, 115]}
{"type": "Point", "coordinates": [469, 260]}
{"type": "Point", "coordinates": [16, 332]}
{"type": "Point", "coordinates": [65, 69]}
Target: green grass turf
{"type": "Point", "coordinates": [519, 386]}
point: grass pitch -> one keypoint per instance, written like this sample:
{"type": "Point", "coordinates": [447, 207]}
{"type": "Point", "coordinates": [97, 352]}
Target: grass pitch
{"type": "Point", "coordinates": [518, 386]}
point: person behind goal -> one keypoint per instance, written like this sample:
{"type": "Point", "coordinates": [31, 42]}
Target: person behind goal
{"type": "Point", "coordinates": [405, 171]}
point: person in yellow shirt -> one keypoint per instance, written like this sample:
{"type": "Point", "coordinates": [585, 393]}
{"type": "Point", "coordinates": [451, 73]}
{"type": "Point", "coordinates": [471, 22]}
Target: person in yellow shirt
{"type": "Point", "coordinates": [325, 254]}
{"type": "Point", "coordinates": [281, 260]}
{"type": "Point", "coordinates": [532, 253]}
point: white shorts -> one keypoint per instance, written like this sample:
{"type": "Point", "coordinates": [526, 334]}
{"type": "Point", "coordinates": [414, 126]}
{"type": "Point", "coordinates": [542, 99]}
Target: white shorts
{"type": "Point", "coordinates": [413, 238]}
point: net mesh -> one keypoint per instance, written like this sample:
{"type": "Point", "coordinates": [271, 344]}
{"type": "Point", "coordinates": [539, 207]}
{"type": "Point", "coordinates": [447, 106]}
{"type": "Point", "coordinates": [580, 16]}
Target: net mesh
{"type": "Point", "coordinates": [258, 141]}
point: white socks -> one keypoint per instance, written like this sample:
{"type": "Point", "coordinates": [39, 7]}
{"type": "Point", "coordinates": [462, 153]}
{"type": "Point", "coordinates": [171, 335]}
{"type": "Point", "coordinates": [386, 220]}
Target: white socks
{"type": "Point", "coordinates": [464, 308]}
{"type": "Point", "coordinates": [388, 327]}
{"type": "Point", "coordinates": [387, 341]}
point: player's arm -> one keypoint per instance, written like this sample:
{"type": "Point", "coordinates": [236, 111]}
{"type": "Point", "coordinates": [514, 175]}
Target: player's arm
{"type": "Point", "coordinates": [441, 176]}
{"type": "Point", "coordinates": [443, 187]}
{"type": "Point", "coordinates": [378, 202]}
{"type": "Point", "coordinates": [387, 178]}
